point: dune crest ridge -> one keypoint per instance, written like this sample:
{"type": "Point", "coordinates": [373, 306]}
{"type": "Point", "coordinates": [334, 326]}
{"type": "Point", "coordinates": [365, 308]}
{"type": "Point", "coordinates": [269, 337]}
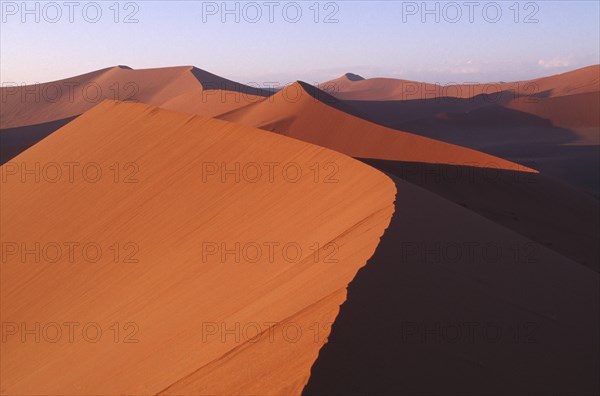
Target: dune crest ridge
{"type": "Point", "coordinates": [307, 113]}
{"type": "Point", "coordinates": [176, 295]}
{"type": "Point", "coordinates": [169, 87]}
{"type": "Point", "coordinates": [578, 81]}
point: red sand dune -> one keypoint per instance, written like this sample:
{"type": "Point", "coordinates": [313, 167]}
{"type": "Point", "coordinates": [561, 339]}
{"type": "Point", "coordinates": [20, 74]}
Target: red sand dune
{"type": "Point", "coordinates": [186, 88]}
{"type": "Point", "coordinates": [542, 229]}
{"type": "Point", "coordinates": [163, 203]}
{"type": "Point", "coordinates": [578, 110]}
{"type": "Point", "coordinates": [509, 194]}
{"type": "Point", "coordinates": [544, 210]}
{"type": "Point", "coordinates": [30, 113]}
{"type": "Point", "coordinates": [551, 124]}
{"type": "Point", "coordinates": [353, 87]}
{"type": "Point", "coordinates": [452, 303]}
{"type": "Point", "coordinates": [299, 111]}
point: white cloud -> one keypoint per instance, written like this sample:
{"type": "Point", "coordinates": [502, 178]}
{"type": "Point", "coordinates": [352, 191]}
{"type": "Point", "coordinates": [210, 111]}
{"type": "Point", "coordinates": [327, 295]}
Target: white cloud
{"type": "Point", "coordinates": [457, 69]}
{"type": "Point", "coordinates": [464, 70]}
{"type": "Point", "coordinates": [554, 63]}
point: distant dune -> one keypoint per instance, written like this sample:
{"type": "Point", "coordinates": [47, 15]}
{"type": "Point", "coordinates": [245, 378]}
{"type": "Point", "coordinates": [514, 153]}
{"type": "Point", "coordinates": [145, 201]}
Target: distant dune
{"type": "Point", "coordinates": [577, 110]}
{"type": "Point", "coordinates": [40, 109]}
{"type": "Point", "coordinates": [353, 87]}
{"type": "Point", "coordinates": [158, 213]}
{"type": "Point", "coordinates": [551, 124]}
{"type": "Point", "coordinates": [185, 87]}
{"type": "Point", "coordinates": [304, 112]}
{"type": "Point", "coordinates": [316, 240]}
{"type": "Point", "coordinates": [510, 194]}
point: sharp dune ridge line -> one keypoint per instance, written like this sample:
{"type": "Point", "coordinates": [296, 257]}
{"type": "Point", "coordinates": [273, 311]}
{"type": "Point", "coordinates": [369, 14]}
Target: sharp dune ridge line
{"type": "Point", "coordinates": [193, 90]}
{"type": "Point", "coordinates": [551, 294]}
{"type": "Point", "coordinates": [551, 124]}
{"type": "Point", "coordinates": [183, 88]}
{"type": "Point", "coordinates": [191, 136]}
{"type": "Point", "coordinates": [306, 118]}
{"type": "Point", "coordinates": [347, 87]}
{"type": "Point", "coordinates": [170, 293]}
{"type": "Point", "coordinates": [311, 120]}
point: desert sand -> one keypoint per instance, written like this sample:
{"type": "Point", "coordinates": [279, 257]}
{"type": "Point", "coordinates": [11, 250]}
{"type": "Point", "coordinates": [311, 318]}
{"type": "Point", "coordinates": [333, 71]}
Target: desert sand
{"type": "Point", "coordinates": [510, 194]}
{"type": "Point", "coordinates": [169, 86]}
{"type": "Point", "coordinates": [451, 316]}
{"type": "Point", "coordinates": [307, 113]}
{"type": "Point", "coordinates": [167, 212]}
{"type": "Point", "coordinates": [448, 244]}
{"type": "Point", "coordinates": [551, 124]}
{"type": "Point", "coordinates": [40, 109]}
{"type": "Point", "coordinates": [354, 87]}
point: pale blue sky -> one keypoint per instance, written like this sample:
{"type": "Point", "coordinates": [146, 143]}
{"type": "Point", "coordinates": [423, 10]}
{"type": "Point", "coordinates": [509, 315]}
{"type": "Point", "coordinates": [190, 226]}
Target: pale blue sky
{"type": "Point", "coordinates": [371, 38]}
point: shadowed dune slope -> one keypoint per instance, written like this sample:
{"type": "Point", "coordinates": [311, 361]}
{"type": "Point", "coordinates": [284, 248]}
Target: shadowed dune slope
{"type": "Point", "coordinates": [579, 81]}
{"type": "Point", "coordinates": [551, 124]}
{"type": "Point", "coordinates": [13, 141]}
{"type": "Point", "coordinates": [307, 113]}
{"type": "Point", "coordinates": [500, 190]}
{"type": "Point", "coordinates": [184, 88]}
{"type": "Point", "coordinates": [195, 313]}
{"type": "Point", "coordinates": [544, 210]}
{"type": "Point", "coordinates": [558, 136]}
{"type": "Point", "coordinates": [452, 303]}
{"type": "Point", "coordinates": [578, 110]}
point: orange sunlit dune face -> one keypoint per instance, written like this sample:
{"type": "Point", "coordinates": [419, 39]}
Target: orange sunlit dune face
{"type": "Point", "coordinates": [159, 263]}
{"type": "Point", "coordinates": [412, 210]}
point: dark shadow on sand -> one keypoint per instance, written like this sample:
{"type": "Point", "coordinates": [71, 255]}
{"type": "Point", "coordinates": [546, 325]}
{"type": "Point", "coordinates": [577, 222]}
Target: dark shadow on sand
{"type": "Point", "coordinates": [542, 209]}
{"type": "Point", "coordinates": [14, 141]}
{"type": "Point", "coordinates": [418, 321]}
